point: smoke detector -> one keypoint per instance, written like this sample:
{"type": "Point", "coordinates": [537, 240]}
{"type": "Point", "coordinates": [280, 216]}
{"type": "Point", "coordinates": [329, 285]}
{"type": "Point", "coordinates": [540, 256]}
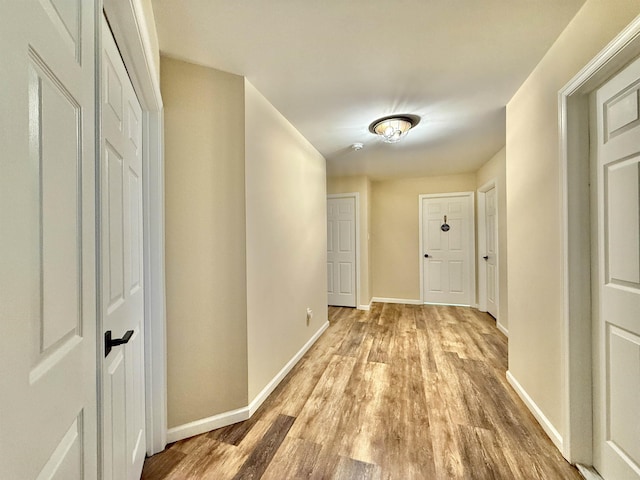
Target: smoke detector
{"type": "Point", "coordinates": [357, 146]}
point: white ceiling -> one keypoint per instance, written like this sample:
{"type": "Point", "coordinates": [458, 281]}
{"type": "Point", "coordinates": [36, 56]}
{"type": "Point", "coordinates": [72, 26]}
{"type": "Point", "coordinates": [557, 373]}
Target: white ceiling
{"type": "Point", "coordinates": [331, 67]}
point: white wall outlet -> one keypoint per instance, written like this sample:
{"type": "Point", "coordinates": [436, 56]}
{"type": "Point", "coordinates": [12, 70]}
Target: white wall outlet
{"type": "Point", "coordinates": [309, 315]}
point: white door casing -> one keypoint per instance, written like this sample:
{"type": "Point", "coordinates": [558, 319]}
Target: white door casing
{"type": "Point", "coordinates": [122, 268]}
{"type": "Point", "coordinates": [616, 368]}
{"type": "Point", "coordinates": [341, 250]}
{"type": "Point", "coordinates": [48, 400]}
{"type": "Point", "coordinates": [447, 263]}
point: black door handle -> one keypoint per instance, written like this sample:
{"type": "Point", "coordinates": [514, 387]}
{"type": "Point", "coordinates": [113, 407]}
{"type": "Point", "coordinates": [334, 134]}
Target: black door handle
{"type": "Point", "coordinates": [486, 257]}
{"type": "Point", "coordinates": [109, 342]}
{"type": "Point", "coordinates": [426, 255]}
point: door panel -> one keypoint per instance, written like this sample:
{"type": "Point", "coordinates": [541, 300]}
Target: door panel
{"type": "Point", "coordinates": [447, 271]}
{"type": "Point", "coordinates": [456, 277]}
{"type": "Point", "coordinates": [346, 279]}
{"type": "Point", "coordinates": [623, 221]}
{"type": "Point", "coordinates": [345, 228]}
{"type": "Point", "coordinates": [124, 439]}
{"type": "Point", "coordinates": [624, 383]}
{"type": "Point", "coordinates": [617, 290]}
{"type": "Point", "coordinates": [435, 276]}
{"type": "Point", "coordinates": [341, 251]}
{"type": "Point", "coordinates": [47, 241]}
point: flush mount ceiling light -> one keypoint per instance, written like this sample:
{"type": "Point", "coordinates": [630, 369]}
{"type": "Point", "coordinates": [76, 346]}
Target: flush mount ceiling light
{"type": "Point", "coordinates": [394, 127]}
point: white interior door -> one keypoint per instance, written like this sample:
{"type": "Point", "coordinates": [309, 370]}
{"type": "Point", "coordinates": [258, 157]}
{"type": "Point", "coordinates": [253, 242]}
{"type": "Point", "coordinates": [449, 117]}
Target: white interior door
{"type": "Point", "coordinates": [341, 251]}
{"type": "Point", "coordinates": [617, 309]}
{"type": "Point", "coordinates": [48, 419]}
{"type": "Point", "coordinates": [122, 269]}
{"type": "Point", "coordinates": [447, 249]}
{"type": "Point", "coordinates": [491, 254]}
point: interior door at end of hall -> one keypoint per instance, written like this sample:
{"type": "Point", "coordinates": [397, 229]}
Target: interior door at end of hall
{"type": "Point", "coordinates": [48, 401]}
{"type": "Point", "coordinates": [616, 369]}
{"type": "Point", "coordinates": [491, 255]}
{"type": "Point", "coordinates": [122, 270]}
{"type": "Point", "coordinates": [447, 249]}
{"type": "Point", "coordinates": [341, 251]}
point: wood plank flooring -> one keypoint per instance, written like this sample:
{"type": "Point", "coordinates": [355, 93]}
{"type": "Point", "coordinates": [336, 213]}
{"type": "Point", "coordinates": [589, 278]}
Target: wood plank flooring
{"type": "Point", "coordinates": [400, 392]}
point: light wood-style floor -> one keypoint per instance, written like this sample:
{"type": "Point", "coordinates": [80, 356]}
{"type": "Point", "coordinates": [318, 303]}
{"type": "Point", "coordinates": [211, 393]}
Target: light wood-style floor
{"type": "Point", "coordinates": [401, 392]}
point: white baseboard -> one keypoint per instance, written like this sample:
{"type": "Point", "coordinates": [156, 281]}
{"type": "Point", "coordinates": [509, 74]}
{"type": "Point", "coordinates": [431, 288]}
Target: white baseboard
{"type": "Point", "coordinates": [588, 473]}
{"type": "Point", "coordinates": [364, 307]}
{"type": "Point", "coordinates": [207, 424]}
{"type": "Point", "coordinates": [547, 426]}
{"type": "Point", "coordinates": [396, 300]}
{"type": "Point", "coordinates": [271, 386]}
{"type": "Point", "coordinates": [502, 328]}
{"type": "Point", "coordinates": [449, 304]}
{"type": "Point", "coordinates": [234, 416]}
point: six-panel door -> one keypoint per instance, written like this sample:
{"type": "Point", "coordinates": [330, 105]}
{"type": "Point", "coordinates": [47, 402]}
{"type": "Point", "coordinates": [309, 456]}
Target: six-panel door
{"type": "Point", "coordinates": [48, 426]}
{"type": "Point", "coordinates": [122, 269]}
{"type": "Point", "coordinates": [341, 251]}
{"type": "Point", "coordinates": [617, 287]}
{"type": "Point", "coordinates": [447, 235]}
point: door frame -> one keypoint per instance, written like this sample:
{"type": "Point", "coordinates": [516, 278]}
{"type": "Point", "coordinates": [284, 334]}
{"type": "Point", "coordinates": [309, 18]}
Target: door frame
{"type": "Point", "coordinates": [356, 196]}
{"type": "Point", "coordinates": [576, 225]}
{"type": "Point", "coordinates": [482, 245]}
{"type": "Point", "coordinates": [130, 31]}
{"type": "Point", "coordinates": [472, 240]}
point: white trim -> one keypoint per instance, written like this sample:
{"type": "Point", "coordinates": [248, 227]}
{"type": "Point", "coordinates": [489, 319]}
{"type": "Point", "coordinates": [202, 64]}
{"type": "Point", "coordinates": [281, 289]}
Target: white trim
{"type": "Point", "coordinates": [546, 424]}
{"type": "Point", "coordinates": [271, 386]}
{"type": "Point", "coordinates": [502, 328]}
{"type": "Point", "coordinates": [234, 416]}
{"type": "Point", "coordinates": [126, 19]}
{"type": "Point", "coordinates": [573, 110]}
{"type": "Point", "coordinates": [450, 304]}
{"type": "Point", "coordinates": [356, 196]}
{"type": "Point", "coordinates": [588, 473]}
{"type": "Point", "coordinates": [155, 323]}
{"type": "Point", "coordinates": [472, 240]}
{"type": "Point", "coordinates": [396, 300]}
{"type": "Point", "coordinates": [204, 425]}
{"type": "Point", "coordinates": [364, 307]}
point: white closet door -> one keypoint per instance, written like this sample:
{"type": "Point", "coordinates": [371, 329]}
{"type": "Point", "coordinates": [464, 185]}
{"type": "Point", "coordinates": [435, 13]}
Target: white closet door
{"type": "Point", "coordinates": [491, 256]}
{"type": "Point", "coordinates": [617, 318]}
{"type": "Point", "coordinates": [48, 424]}
{"type": "Point", "coordinates": [341, 251]}
{"type": "Point", "coordinates": [122, 272]}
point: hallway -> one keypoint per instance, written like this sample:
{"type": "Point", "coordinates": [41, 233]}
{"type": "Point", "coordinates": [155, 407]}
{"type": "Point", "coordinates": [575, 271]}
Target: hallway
{"type": "Point", "coordinates": [399, 392]}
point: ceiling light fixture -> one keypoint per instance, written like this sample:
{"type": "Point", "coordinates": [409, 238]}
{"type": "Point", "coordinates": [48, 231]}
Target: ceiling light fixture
{"type": "Point", "coordinates": [394, 127]}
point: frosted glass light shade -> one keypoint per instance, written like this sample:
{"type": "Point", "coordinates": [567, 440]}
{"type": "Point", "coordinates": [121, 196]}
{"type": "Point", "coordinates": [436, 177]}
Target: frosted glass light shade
{"type": "Point", "coordinates": [392, 130]}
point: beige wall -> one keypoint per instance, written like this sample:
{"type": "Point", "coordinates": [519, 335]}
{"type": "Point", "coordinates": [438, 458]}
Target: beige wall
{"type": "Point", "coordinates": [395, 231]}
{"type": "Point", "coordinates": [286, 239]}
{"type": "Point", "coordinates": [362, 185]}
{"type": "Point", "coordinates": [205, 241]}
{"type": "Point", "coordinates": [495, 169]}
{"type": "Point", "coordinates": [534, 203]}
